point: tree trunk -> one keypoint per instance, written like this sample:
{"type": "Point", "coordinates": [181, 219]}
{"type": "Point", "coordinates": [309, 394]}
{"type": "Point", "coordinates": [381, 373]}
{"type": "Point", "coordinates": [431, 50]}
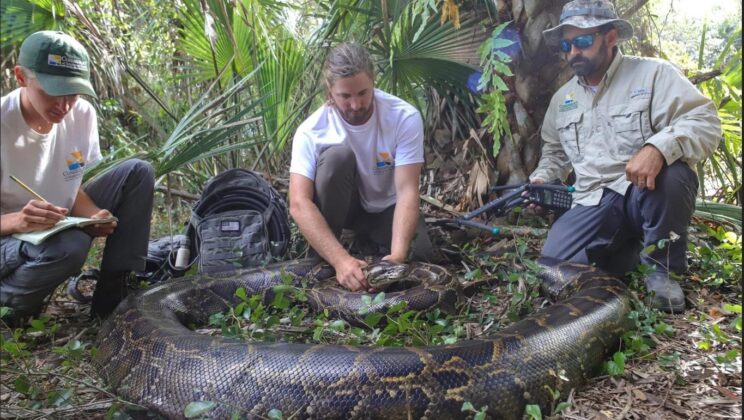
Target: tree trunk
{"type": "Point", "coordinates": [539, 72]}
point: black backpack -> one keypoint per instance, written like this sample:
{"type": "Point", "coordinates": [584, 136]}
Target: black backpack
{"type": "Point", "coordinates": [239, 221]}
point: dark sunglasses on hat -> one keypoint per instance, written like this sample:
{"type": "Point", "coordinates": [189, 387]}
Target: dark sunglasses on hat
{"type": "Point", "coordinates": [581, 42]}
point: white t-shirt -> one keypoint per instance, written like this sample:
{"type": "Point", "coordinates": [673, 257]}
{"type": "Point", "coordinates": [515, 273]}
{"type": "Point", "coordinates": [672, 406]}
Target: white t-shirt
{"type": "Point", "coordinates": [393, 136]}
{"type": "Point", "coordinates": [51, 164]}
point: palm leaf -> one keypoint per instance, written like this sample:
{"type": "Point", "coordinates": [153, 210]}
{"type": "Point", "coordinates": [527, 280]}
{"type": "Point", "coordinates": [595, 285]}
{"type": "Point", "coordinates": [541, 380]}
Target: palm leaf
{"type": "Point", "coordinates": [723, 169]}
{"type": "Point", "coordinates": [280, 78]}
{"type": "Point", "coordinates": [210, 123]}
{"type": "Point", "coordinates": [20, 18]}
{"type": "Point", "coordinates": [719, 212]}
{"type": "Point", "coordinates": [423, 54]}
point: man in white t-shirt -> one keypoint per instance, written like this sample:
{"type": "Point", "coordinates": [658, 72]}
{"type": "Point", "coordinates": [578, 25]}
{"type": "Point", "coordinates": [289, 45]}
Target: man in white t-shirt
{"type": "Point", "coordinates": [49, 135]}
{"type": "Point", "coordinates": [355, 164]}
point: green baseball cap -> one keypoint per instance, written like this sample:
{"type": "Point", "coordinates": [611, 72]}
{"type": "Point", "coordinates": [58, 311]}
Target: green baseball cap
{"type": "Point", "coordinates": [60, 63]}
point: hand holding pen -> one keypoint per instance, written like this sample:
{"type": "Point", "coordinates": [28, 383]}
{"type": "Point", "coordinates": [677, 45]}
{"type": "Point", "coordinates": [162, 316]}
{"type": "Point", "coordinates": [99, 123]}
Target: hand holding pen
{"type": "Point", "coordinates": [37, 214]}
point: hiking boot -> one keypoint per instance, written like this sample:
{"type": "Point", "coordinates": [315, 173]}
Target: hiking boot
{"type": "Point", "coordinates": [21, 318]}
{"type": "Point", "coordinates": [18, 321]}
{"type": "Point", "coordinates": [668, 296]}
{"type": "Point", "coordinates": [112, 287]}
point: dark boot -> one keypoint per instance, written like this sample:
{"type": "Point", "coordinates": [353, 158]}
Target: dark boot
{"type": "Point", "coordinates": [14, 321]}
{"type": "Point", "coordinates": [668, 296]}
{"type": "Point", "coordinates": [111, 289]}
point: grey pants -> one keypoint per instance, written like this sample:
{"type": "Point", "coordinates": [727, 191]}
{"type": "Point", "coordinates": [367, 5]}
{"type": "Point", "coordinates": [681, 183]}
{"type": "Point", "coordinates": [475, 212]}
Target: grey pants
{"type": "Point", "coordinates": [28, 273]}
{"type": "Point", "coordinates": [337, 198]}
{"type": "Point", "coordinates": [613, 233]}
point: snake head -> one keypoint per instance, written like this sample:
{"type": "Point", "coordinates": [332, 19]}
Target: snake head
{"type": "Point", "coordinates": [385, 273]}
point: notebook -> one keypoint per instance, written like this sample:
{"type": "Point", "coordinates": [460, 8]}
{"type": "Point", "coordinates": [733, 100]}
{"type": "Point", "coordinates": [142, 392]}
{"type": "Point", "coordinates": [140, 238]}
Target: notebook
{"type": "Point", "coordinates": [40, 236]}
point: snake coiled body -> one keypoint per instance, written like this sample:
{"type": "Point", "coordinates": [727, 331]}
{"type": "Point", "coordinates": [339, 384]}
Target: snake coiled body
{"type": "Point", "coordinates": [147, 355]}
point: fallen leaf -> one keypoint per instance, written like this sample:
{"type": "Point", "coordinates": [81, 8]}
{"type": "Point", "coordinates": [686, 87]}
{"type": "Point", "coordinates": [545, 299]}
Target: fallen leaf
{"type": "Point", "coordinates": [715, 312]}
{"type": "Point", "coordinates": [728, 393]}
{"type": "Point", "coordinates": [639, 395]}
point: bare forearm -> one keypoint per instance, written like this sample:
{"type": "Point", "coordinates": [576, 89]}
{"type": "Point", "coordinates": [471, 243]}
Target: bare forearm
{"type": "Point", "coordinates": [35, 215]}
{"type": "Point", "coordinates": [8, 224]}
{"type": "Point", "coordinates": [316, 231]}
{"type": "Point", "coordinates": [404, 225]}
{"type": "Point", "coordinates": [84, 205]}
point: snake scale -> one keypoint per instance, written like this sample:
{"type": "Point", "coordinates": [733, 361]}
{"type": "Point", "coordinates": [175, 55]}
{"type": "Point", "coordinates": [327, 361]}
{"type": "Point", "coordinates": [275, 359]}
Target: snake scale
{"type": "Point", "coordinates": [147, 355]}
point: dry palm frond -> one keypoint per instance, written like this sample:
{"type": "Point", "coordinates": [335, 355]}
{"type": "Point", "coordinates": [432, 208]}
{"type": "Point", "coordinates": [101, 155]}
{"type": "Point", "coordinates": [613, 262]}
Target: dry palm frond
{"type": "Point", "coordinates": [450, 11]}
{"type": "Point", "coordinates": [478, 183]}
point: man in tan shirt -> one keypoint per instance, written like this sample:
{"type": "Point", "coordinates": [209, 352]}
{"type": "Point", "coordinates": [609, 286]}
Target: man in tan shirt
{"type": "Point", "coordinates": [632, 130]}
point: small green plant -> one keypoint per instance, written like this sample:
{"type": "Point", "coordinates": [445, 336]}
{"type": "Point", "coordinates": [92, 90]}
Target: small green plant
{"type": "Point", "coordinates": [288, 315]}
{"type": "Point", "coordinates": [556, 404]}
{"type": "Point", "coordinates": [616, 366]}
{"type": "Point", "coordinates": [533, 412]}
{"type": "Point", "coordinates": [736, 309]}
{"type": "Point", "coordinates": [524, 287]}
{"type": "Point", "coordinates": [73, 353]}
{"type": "Point", "coordinates": [638, 341]}
{"type": "Point", "coordinates": [495, 67]}
{"type": "Point", "coordinates": [718, 257]}
{"type": "Point", "coordinates": [477, 414]}
{"type": "Point", "coordinates": [661, 244]}
{"type": "Point", "coordinates": [23, 385]}
{"type": "Point", "coordinates": [198, 409]}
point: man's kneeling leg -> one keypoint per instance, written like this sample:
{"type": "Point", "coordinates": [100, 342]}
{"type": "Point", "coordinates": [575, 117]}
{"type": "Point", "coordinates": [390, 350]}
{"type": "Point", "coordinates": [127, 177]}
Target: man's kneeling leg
{"type": "Point", "coordinates": [664, 214]}
{"type": "Point", "coordinates": [127, 191]}
{"type": "Point", "coordinates": [32, 272]}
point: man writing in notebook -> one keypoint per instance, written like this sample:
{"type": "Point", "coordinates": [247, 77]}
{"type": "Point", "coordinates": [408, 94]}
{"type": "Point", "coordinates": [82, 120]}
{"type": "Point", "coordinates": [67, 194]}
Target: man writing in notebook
{"type": "Point", "coordinates": [49, 135]}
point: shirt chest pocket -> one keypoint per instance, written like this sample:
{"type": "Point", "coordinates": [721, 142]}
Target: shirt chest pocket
{"type": "Point", "coordinates": [569, 131]}
{"type": "Point", "coordinates": [631, 127]}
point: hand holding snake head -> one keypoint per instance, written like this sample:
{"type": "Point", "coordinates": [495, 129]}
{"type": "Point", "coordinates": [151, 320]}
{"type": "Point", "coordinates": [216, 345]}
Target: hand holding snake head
{"type": "Point", "coordinates": [384, 273]}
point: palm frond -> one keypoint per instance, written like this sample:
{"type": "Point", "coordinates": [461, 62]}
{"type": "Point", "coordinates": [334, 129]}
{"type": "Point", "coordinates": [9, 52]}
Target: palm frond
{"type": "Point", "coordinates": [421, 55]}
{"type": "Point", "coordinates": [719, 212]}
{"type": "Point", "coordinates": [211, 123]}
{"type": "Point", "coordinates": [20, 18]}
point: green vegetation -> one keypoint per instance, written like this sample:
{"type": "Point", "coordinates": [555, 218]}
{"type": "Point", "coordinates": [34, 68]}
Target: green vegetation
{"type": "Point", "coordinates": [46, 348]}
{"type": "Point", "coordinates": [200, 86]}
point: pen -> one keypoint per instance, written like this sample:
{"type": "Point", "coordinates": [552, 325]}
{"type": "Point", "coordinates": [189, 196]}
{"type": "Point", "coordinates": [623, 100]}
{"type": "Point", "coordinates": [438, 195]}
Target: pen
{"type": "Point", "coordinates": [27, 188]}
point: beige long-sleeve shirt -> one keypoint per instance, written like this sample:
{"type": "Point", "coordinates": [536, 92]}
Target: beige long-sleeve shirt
{"type": "Point", "coordinates": [639, 101]}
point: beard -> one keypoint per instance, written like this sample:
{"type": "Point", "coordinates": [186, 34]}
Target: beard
{"type": "Point", "coordinates": [583, 66]}
{"type": "Point", "coordinates": [357, 117]}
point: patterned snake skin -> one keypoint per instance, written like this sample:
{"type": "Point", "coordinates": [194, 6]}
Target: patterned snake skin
{"type": "Point", "coordinates": [147, 355]}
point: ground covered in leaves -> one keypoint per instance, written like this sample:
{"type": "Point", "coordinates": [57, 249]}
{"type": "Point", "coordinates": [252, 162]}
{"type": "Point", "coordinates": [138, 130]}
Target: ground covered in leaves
{"type": "Point", "coordinates": [669, 366]}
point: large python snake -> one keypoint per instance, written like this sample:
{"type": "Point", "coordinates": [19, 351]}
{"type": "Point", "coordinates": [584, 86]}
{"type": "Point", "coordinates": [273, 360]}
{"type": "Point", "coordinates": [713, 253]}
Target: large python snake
{"type": "Point", "coordinates": [147, 355]}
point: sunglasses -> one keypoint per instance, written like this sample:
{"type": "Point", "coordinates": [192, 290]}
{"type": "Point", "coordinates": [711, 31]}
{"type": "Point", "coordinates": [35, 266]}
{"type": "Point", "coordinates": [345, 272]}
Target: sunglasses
{"type": "Point", "coordinates": [581, 42]}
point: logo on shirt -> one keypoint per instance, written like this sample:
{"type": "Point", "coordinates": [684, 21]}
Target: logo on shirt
{"type": "Point", "coordinates": [384, 160]}
{"type": "Point", "coordinates": [642, 91]}
{"type": "Point", "coordinates": [76, 161]}
{"type": "Point", "coordinates": [75, 164]}
{"type": "Point", "coordinates": [56, 60]}
{"type": "Point", "coordinates": [569, 103]}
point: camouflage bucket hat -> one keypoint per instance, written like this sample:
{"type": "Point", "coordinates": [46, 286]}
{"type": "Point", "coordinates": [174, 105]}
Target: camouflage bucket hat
{"type": "Point", "coordinates": [588, 14]}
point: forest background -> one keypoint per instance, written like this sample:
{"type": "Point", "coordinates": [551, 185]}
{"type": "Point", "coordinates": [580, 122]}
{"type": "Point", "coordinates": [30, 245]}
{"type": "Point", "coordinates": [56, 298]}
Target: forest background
{"type": "Point", "coordinates": [199, 86]}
